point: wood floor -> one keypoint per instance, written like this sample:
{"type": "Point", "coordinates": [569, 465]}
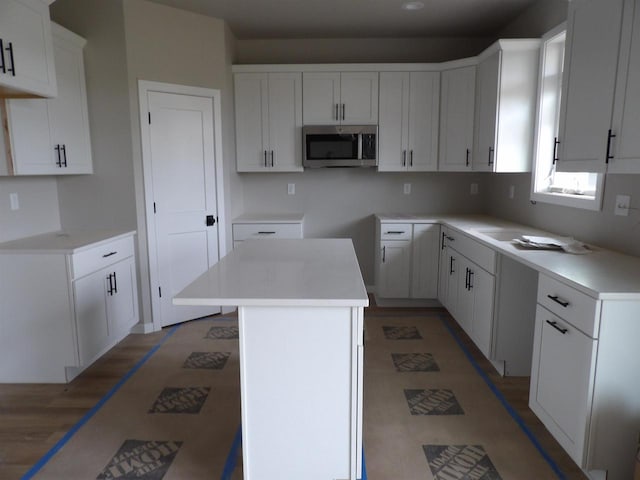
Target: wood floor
{"type": "Point", "coordinates": [34, 417]}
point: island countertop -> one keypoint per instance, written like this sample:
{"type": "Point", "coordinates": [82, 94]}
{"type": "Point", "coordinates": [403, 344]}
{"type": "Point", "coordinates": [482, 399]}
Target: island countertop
{"type": "Point", "coordinates": [282, 272]}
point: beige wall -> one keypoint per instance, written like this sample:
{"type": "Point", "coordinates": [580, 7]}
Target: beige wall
{"type": "Point", "coordinates": [358, 50]}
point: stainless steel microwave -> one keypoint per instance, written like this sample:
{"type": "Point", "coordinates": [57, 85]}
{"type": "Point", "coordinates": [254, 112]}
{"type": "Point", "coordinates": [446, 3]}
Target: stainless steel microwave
{"type": "Point", "coordinates": [339, 146]}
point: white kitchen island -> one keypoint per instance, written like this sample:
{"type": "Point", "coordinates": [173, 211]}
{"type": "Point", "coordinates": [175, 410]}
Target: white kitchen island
{"type": "Point", "coordinates": [300, 315]}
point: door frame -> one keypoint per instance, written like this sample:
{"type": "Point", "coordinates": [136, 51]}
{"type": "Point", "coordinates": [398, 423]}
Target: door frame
{"type": "Point", "coordinates": [145, 87]}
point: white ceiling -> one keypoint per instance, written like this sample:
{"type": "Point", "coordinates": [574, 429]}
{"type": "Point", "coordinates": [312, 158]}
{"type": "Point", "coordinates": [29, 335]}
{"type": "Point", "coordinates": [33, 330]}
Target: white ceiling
{"type": "Point", "coordinates": [357, 18]}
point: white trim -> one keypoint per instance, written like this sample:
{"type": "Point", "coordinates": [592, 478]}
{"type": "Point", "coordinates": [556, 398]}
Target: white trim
{"type": "Point", "coordinates": [355, 67]}
{"type": "Point", "coordinates": [144, 88]}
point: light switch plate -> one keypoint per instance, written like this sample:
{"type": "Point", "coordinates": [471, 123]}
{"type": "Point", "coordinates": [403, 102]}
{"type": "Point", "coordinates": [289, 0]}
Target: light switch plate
{"type": "Point", "coordinates": [623, 202]}
{"type": "Point", "coordinates": [407, 188]}
{"type": "Point", "coordinates": [474, 189]}
{"type": "Point", "coordinates": [13, 200]}
{"type": "Point", "coordinates": [291, 189]}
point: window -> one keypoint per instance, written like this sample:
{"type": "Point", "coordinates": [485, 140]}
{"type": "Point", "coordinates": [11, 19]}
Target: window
{"type": "Point", "coordinates": [581, 189]}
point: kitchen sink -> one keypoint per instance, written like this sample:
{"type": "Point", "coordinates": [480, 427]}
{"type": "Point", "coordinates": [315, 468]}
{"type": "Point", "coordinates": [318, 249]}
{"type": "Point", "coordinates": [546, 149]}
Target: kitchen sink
{"type": "Point", "coordinates": [504, 235]}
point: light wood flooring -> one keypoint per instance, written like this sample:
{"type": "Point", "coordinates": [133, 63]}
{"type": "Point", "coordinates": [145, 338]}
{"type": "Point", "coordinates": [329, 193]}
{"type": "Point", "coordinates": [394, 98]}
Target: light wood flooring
{"type": "Point", "coordinates": [34, 417]}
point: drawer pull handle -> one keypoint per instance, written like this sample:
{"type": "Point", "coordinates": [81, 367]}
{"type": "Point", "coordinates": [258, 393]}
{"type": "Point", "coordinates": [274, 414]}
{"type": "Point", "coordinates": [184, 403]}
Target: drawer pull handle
{"type": "Point", "coordinates": [394, 233]}
{"type": "Point", "coordinates": [108, 254]}
{"type": "Point", "coordinates": [555, 325]}
{"type": "Point", "coordinates": [266, 233]}
{"type": "Point", "coordinates": [451, 239]}
{"type": "Point", "coordinates": [556, 299]}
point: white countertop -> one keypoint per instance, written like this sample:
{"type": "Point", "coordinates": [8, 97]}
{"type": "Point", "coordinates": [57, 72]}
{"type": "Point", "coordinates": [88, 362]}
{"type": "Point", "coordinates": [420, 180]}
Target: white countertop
{"type": "Point", "coordinates": [602, 274]}
{"type": "Point", "coordinates": [282, 272]}
{"type": "Point", "coordinates": [65, 242]}
{"type": "Point", "coordinates": [269, 218]}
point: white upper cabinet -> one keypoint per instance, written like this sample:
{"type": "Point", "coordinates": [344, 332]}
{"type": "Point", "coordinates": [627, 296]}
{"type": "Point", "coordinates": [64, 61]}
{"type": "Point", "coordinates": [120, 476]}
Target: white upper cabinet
{"type": "Point", "coordinates": [334, 98]}
{"type": "Point", "coordinates": [51, 136]}
{"type": "Point", "coordinates": [268, 122]}
{"type": "Point", "coordinates": [506, 91]}
{"type": "Point", "coordinates": [26, 50]}
{"type": "Point", "coordinates": [591, 57]}
{"type": "Point", "coordinates": [625, 147]}
{"type": "Point", "coordinates": [408, 125]}
{"type": "Point", "coordinates": [457, 98]}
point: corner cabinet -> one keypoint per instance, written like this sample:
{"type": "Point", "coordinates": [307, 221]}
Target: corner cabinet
{"type": "Point", "coordinates": [457, 99]}
{"type": "Point", "coordinates": [506, 93]}
{"type": "Point", "coordinates": [268, 121]}
{"type": "Point", "coordinates": [407, 260]}
{"type": "Point", "coordinates": [63, 305]}
{"type": "Point", "coordinates": [340, 98]}
{"type": "Point", "coordinates": [26, 52]}
{"type": "Point", "coordinates": [598, 133]}
{"type": "Point", "coordinates": [51, 136]}
{"type": "Point", "coordinates": [408, 125]}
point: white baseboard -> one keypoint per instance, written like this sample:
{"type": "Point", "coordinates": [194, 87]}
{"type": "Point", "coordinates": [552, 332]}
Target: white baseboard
{"type": "Point", "coordinates": [406, 302]}
{"type": "Point", "coordinates": [143, 328]}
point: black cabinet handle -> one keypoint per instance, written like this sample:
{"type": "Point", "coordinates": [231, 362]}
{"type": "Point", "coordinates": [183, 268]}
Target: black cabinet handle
{"type": "Point", "coordinates": [384, 254]}
{"type": "Point", "coordinates": [471, 273]}
{"type": "Point", "coordinates": [404, 158]}
{"type": "Point", "coordinates": [265, 158]}
{"type": "Point", "coordinates": [490, 156]}
{"type": "Point", "coordinates": [344, 109]}
{"type": "Point", "coordinates": [451, 239]}
{"type": "Point", "coordinates": [115, 283]}
{"type": "Point", "coordinates": [272, 158]}
{"type": "Point", "coordinates": [467, 160]}
{"type": "Point", "coordinates": [110, 288]}
{"type": "Point", "coordinates": [411, 158]}
{"type": "Point", "coordinates": [3, 67]}
{"type": "Point", "coordinates": [555, 325]}
{"type": "Point", "coordinates": [11, 69]}
{"type": "Point", "coordinates": [337, 115]}
{"type": "Point", "coordinates": [266, 233]}
{"type": "Point", "coordinates": [610, 136]}
{"type": "Point", "coordinates": [443, 237]}
{"type": "Point", "coordinates": [451, 270]}
{"type": "Point", "coordinates": [64, 155]}
{"type": "Point", "coordinates": [556, 142]}
{"type": "Point", "coordinates": [59, 160]}
{"type": "Point", "coordinates": [108, 254]}
{"type": "Point", "coordinates": [557, 299]}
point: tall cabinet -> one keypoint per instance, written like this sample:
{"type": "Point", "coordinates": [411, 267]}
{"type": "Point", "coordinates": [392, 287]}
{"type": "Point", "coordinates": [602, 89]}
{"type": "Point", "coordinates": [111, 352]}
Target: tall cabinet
{"type": "Point", "coordinates": [408, 123]}
{"type": "Point", "coordinates": [506, 86]}
{"type": "Point", "coordinates": [51, 136]}
{"type": "Point", "coordinates": [268, 121]}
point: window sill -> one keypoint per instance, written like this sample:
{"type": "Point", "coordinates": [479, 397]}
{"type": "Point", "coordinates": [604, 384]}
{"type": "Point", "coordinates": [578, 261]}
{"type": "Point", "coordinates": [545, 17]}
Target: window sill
{"type": "Point", "coordinates": [568, 200]}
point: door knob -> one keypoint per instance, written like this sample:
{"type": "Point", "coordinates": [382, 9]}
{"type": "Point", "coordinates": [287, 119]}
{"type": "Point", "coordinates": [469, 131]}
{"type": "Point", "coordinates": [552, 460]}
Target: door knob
{"type": "Point", "coordinates": [210, 220]}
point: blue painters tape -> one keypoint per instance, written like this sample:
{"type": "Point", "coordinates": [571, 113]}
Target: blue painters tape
{"type": "Point", "coordinates": [364, 466]}
{"type": "Point", "coordinates": [232, 457]}
{"type": "Point", "coordinates": [505, 403]}
{"type": "Point", "coordinates": [63, 441]}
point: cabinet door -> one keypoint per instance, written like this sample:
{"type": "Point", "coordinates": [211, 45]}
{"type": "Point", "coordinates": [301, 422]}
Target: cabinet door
{"type": "Point", "coordinates": [393, 128]}
{"type": "Point", "coordinates": [456, 121]}
{"type": "Point", "coordinates": [561, 379]}
{"type": "Point", "coordinates": [68, 116]}
{"type": "Point", "coordinates": [424, 106]}
{"type": "Point", "coordinates": [25, 30]}
{"type": "Point", "coordinates": [626, 117]}
{"type": "Point", "coordinates": [593, 35]}
{"type": "Point", "coordinates": [32, 153]}
{"type": "Point", "coordinates": [425, 260]}
{"type": "Point", "coordinates": [92, 326]}
{"type": "Point", "coordinates": [488, 76]}
{"type": "Point", "coordinates": [321, 98]}
{"type": "Point", "coordinates": [285, 122]}
{"type": "Point", "coordinates": [251, 121]}
{"type": "Point", "coordinates": [359, 98]}
{"type": "Point", "coordinates": [482, 285]}
{"type": "Point", "coordinates": [122, 309]}
{"type": "Point", "coordinates": [394, 269]}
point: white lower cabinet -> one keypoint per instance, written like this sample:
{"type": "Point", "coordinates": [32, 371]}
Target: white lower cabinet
{"type": "Point", "coordinates": [584, 377]}
{"type": "Point", "coordinates": [407, 260]}
{"type": "Point", "coordinates": [63, 308]}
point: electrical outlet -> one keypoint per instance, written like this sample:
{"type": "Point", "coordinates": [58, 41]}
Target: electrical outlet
{"type": "Point", "coordinates": [13, 200]}
{"type": "Point", "coordinates": [407, 188]}
{"type": "Point", "coordinates": [291, 189]}
{"type": "Point", "coordinates": [623, 202]}
{"type": "Point", "coordinates": [474, 189]}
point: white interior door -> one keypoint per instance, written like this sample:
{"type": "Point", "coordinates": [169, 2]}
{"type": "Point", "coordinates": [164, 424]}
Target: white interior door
{"type": "Point", "coordinates": [182, 151]}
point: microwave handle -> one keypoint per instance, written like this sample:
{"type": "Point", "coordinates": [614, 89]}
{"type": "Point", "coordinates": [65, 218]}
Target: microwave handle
{"type": "Point", "coordinates": [359, 146]}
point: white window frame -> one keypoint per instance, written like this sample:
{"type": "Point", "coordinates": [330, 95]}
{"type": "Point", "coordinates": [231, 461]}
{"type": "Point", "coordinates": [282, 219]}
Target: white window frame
{"type": "Point", "coordinates": [543, 150]}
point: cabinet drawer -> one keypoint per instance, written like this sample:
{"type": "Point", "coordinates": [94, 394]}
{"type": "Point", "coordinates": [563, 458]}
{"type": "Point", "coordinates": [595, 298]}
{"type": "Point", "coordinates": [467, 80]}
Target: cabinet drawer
{"type": "Point", "coordinates": [580, 310]}
{"type": "Point", "coordinates": [395, 231]}
{"type": "Point", "coordinates": [88, 261]}
{"type": "Point", "coordinates": [244, 231]}
{"type": "Point", "coordinates": [481, 255]}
